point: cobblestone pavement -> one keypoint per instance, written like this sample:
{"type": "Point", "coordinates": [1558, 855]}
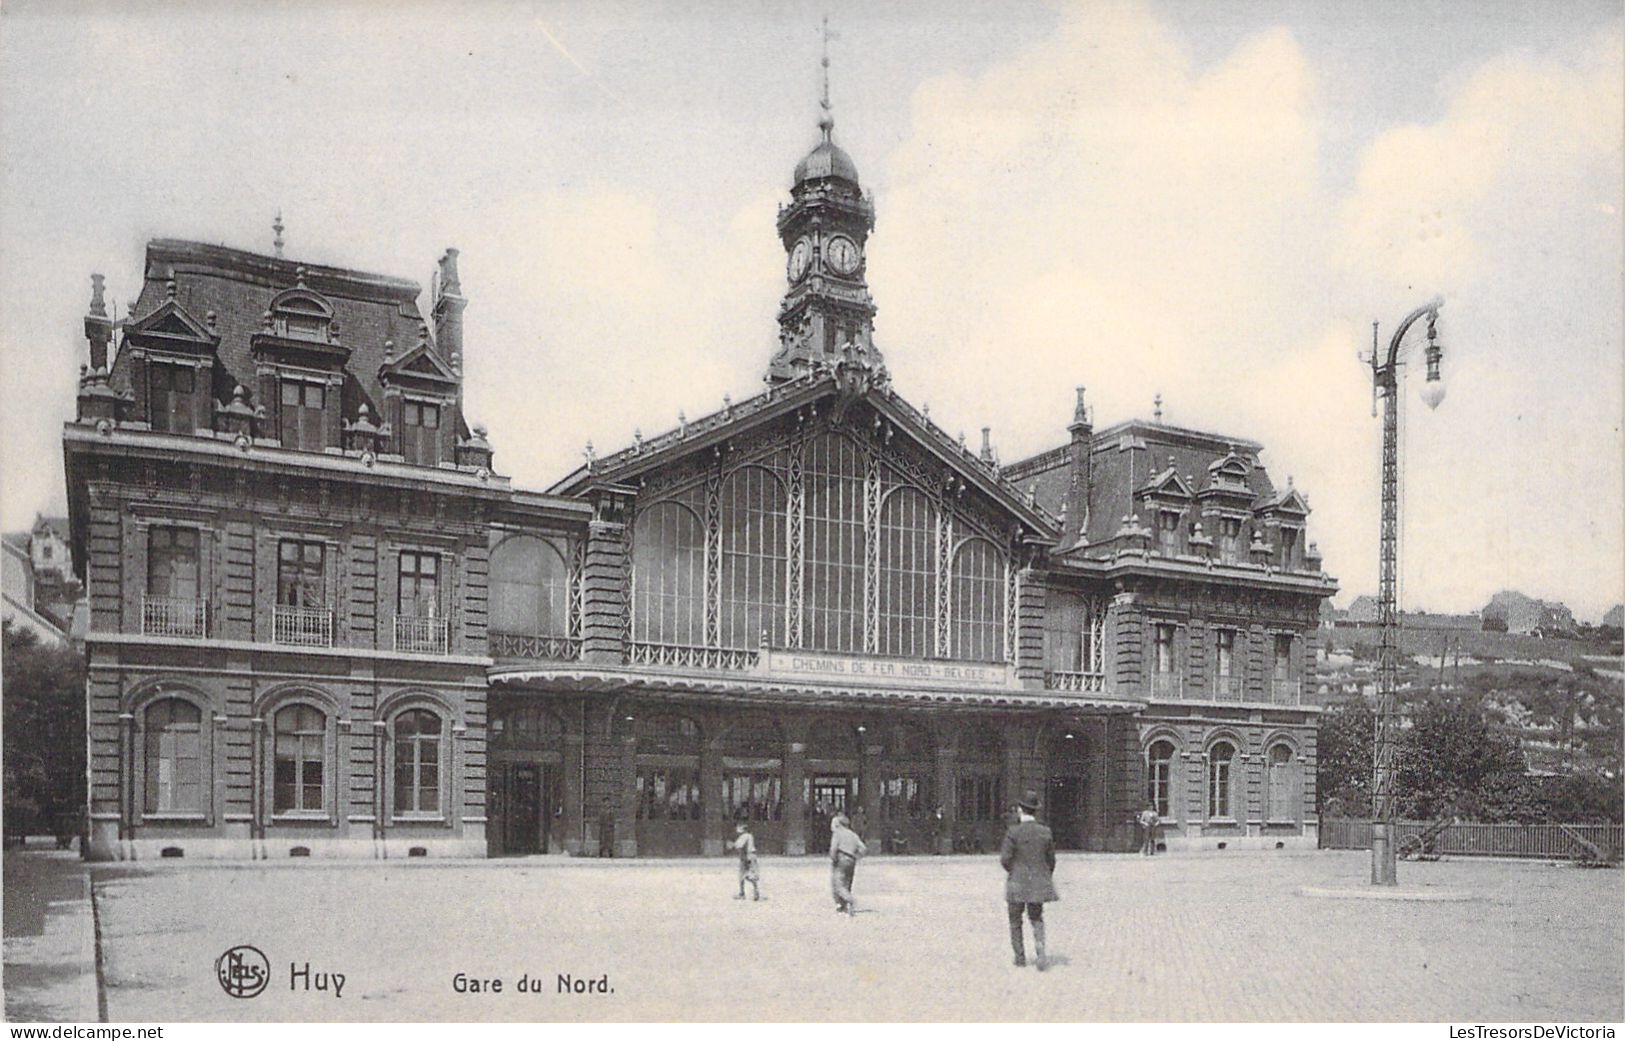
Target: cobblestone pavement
{"type": "Point", "coordinates": [1224, 936]}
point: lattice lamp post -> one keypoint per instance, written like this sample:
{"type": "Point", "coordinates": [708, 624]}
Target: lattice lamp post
{"type": "Point", "coordinates": [1385, 385]}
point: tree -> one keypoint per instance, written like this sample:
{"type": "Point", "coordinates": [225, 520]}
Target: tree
{"type": "Point", "coordinates": [1452, 762]}
{"type": "Point", "coordinates": [1344, 758]}
{"type": "Point", "coordinates": [44, 701]}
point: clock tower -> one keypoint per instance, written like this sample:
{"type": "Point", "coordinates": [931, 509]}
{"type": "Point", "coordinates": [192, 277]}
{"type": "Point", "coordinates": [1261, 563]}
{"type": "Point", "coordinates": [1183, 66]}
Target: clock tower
{"type": "Point", "coordinates": [825, 231]}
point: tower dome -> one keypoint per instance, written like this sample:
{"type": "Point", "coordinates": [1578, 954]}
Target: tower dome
{"type": "Point", "coordinates": [828, 159]}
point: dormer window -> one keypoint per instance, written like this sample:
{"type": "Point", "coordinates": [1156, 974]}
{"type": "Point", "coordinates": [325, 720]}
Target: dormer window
{"type": "Point", "coordinates": [420, 432]}
{"type": "Point", "coordinates": [299, 314]}
{"type": "Point", "coordinates": [171, 402]}
{"type": "Point", "coordinates": [1231, 547]}
{"type": "Point", "coordinates": [1289, 547]}
{"type": "Point", "coordinates": [1168, 532]}
{"type": "Point", "coordinates": [301, 418]}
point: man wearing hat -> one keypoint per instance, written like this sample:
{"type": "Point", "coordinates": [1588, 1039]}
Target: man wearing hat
{"type": "Point", "coordinates": [1028, 857]}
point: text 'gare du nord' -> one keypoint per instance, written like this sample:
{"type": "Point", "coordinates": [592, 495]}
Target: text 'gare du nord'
{"type": "Point", "coordinates": [321, 625]}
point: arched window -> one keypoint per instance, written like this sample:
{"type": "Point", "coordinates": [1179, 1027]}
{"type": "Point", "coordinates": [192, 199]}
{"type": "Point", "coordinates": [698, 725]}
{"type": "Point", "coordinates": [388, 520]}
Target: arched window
{"type": "Point", "coordinates": [981, 771]}
{"type": "Point", "coordinates": [907, 574]}
{"type": "Point", "coordinates": [417, 763]}
{"type": "Point", "coordinates": [907, 773]}
{"type": "Point", "coordinates": [978, 602]}
{"type": "Point", "coordinates": [668, 576]}
{"type": "Point", "coordinates": [530, 588]}
{"type": "Point", "coordinates": [299, 781]}
{"type": "Point", "coordinates": [174, 757]}
{"type": "Point", "coordinates": [1278, 791]}
{"type": "Point", "coordinates": [752, 769]}
{"type": "Point", "coordinates": [1219, 759]}
{"type": "Point", "coordinates": [834, 565]}
{"type": "Point", "coordinates": [755, 554]}
{"type": "Point", "coordinates": [1159, 770]}
{"type": "Point", "coordinates": [668, 768]}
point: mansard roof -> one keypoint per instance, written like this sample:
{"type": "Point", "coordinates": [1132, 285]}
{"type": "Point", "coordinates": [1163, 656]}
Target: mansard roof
{"type": "Point", "coordinates": [740, 418]}
{"type": "Point", "coordinates": [238, 287]}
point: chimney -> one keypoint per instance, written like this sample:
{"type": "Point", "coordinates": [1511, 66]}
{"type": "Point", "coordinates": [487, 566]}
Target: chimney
{"type": "Point", "coordinates": [987, 445]}
{"type": "Point", "coordinates": [98, 326]}
{"type": "Point", "coordinates": [447, 307]}
{"type": "Point", "coordinates": [1078, 458]}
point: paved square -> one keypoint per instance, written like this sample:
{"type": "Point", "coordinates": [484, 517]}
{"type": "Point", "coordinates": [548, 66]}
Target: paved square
{"type": "Point", "coordinates": [1223, 936]}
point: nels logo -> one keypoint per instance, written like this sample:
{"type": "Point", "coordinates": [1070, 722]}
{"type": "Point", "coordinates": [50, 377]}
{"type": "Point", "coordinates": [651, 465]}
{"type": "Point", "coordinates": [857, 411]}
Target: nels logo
{"type": "Point", "coordinates": [242, 971]}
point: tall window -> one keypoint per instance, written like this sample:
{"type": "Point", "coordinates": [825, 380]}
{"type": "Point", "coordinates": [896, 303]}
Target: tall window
{"type": "Point", "coordinates": [1168, 531]}
{"type": "Point", "coordinates": [420, 432]}
{"type": "Point", "coordinates": [1219, 758]}
{"type": "Point", "coordinates": [172, 568]}
{"type": "Point", "coordinates": [752, 769]}
{"type": "Point", "coordinates": [1159, 769]}
{"type": "Point", "coordinates": [755, 554]}
{"type": "Point", "coordinates": [1289, 547]}
{"type": "Point", "coordinates": [1230, 544]}
{"type": "Point", "coordinates": [419, 595]}
{"type": "Point", "coordinates": [530, 588]}
{"type": "Point", "coordinates": [170, 404]}
{"type": "Point", "coordinates": [907, 574]}
{"type": "Point", "coordinates": [668, 768]}
{"type": "Point", "coordinates": [905, 787]}
{"type": "Point", "coordinates": [417, 763]}
{"type": "Point", "coordinates": [301, 422]}
{"type": "Point", "coordinates": [668, 576]}
{"type": "Point", "coordinates": [174, 757]}
{"type": "Point", "coordinates": [1282, 670]}
{"type": "Point", "coordinates": [1224, 653]}
{"type": "Point", "coordinates": [300, 741]}
{"type": "Point", "coordinates": [981, 796]}
{"type": "Point", "coordinates": [833, 613]}
{"type": "Point", "coordinates": [301, 574]}
{"type": "Point", "coordinates": [1278, 789]}
{"type": "Point", "coordinates": [978, 602]}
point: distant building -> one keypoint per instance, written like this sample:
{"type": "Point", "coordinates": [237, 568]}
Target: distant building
{"type": "Point", "coordinates": [17, 592]}
{"type": "Point", "coordinates": [1525, 614]}
{"type": "Point", "coordinates": [1615, 618]}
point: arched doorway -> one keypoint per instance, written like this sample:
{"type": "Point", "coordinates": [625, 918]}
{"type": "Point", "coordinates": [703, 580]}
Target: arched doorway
{"type": "Point", "coordinates": [831, 778]}
{"type": "Point", "coordinates": [527, 791]}
{"type": "Point", "coordinates": [670, 812]}
{"type": "Point", "coordinates": [1064, 781]}
{"type": "Point", "coordinates": [983, 804]}
{"type": "Point", "coordinates": [908, 801]}
{"type": "Point", "coordinates": [753, 779]}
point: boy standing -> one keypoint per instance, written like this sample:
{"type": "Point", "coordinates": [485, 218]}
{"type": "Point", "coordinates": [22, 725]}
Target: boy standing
{"type": "Point", "coordinates": [750, 869]}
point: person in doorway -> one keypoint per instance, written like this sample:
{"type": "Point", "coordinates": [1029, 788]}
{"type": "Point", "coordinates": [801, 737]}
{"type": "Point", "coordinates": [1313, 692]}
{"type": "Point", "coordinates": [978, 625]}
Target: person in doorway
{"type": "Point", "coordinates": [1028, 856]}
{"type": "Point", "coordinates": [750, 868]}
{"type": "Point", "coordinates": [844, 850]}
{"type": "Point", "coordinates": [938, 825]}
{"type": "Point", "coordinates": [1148, 826]}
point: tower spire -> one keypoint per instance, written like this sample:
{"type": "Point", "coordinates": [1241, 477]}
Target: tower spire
{"type": "Point", "coordinates": [826, 118]}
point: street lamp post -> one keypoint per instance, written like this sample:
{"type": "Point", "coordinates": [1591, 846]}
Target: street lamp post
{"type": "Point", "coordinates": [1385, 384]}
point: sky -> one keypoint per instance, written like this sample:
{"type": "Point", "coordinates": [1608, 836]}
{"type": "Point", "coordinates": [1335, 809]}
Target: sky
{"type": "Point", "coordinates": [1209, 201]}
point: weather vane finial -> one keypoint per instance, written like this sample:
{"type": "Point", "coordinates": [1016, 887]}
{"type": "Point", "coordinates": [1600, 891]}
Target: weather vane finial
{"type": "Point", "coordinates": [826, 121]}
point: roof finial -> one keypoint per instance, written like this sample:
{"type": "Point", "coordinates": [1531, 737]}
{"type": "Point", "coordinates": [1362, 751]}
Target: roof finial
{"type": "Point", "coordinates": [826, 121]}
{"type": "Point", "coordinates": [276, 226]}
{"type": "Point", "coordinates": [1157, 403]}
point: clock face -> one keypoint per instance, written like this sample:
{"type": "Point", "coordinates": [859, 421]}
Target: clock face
{"type": "Point", "coordinates": [843, 254]}
{"type": "Point", "coordinates": [799, 256]}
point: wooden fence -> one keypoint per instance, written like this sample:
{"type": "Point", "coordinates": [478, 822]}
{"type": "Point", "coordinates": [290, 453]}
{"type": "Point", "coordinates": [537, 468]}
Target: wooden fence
{"type": "Point", "coordinates": [1467, 839]}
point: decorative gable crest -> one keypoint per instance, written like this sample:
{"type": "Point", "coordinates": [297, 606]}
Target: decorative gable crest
{"type": "Point", "coordinates": [421, 364]}
{"type": "Point", "coordinates": [856, 370]}
{"type": "Point", "coordinates": [1167, 485]}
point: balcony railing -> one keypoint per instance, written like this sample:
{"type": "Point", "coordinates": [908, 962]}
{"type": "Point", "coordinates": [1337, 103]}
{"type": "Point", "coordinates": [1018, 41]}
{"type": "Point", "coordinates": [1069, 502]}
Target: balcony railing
{"type": "Point", "coordinates": [681, 657]}
{"type": "Point", "coordinates": [1229, 688]}
{"type": "Point", "coordinates": [420, 635]}
{"type": "Point", "coordinates": [548, 648]}
{"type": "Point", "coordinates": [1083, 682]}
{"type": "Point", "coordinates": [1286, 692]}
{"type": "Point", "coordinates": [1167, 685]}
{"type": "Point", "coordinates": [304, 626]}
{"type": "Point", "coordinates": [174, 616]}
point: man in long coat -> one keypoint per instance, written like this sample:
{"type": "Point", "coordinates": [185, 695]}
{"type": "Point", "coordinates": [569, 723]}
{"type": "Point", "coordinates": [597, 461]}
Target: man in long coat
{"type": "Point", "coordinates": [1028, 856]}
